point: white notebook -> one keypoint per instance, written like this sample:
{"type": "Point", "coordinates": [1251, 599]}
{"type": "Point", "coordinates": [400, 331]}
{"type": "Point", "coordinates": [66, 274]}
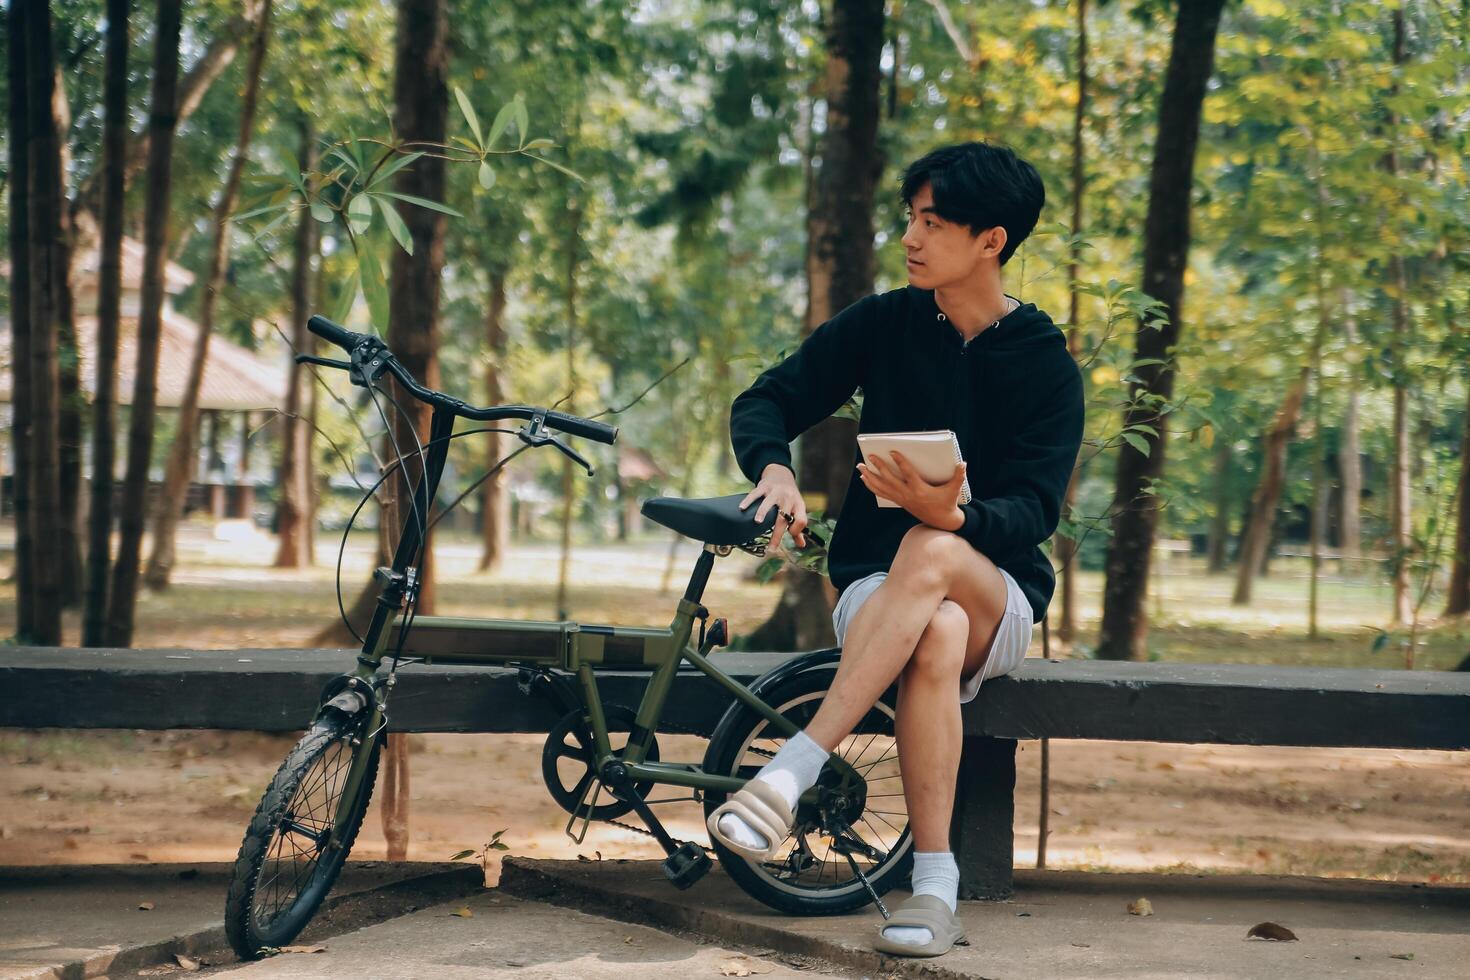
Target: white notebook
{"type": "Point", "coordinates": [934, 454]}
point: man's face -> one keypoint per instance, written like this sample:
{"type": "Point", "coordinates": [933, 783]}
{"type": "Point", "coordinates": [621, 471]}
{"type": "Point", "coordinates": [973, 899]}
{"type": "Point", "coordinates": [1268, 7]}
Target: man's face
{"type": "Point", "coordinates": [941, 253]}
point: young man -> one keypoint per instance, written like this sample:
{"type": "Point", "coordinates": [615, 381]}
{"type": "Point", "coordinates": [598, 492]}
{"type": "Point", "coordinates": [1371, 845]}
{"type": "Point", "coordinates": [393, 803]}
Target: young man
{"type": "Point", "coordinates": [935, 593]}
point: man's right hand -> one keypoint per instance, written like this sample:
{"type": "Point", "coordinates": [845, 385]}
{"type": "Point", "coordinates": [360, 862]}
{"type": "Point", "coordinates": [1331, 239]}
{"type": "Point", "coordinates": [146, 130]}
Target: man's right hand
{"type": "Point", "coordinates": [777, 488]}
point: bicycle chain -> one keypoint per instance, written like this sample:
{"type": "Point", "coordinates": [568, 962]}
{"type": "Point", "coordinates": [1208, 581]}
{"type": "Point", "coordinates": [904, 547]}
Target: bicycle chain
{"type": "Point", "coordinates": [672, 728]}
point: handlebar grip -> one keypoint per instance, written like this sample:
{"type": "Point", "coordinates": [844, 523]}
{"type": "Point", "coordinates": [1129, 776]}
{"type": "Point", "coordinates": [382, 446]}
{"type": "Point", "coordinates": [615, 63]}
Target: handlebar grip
{"type": "Point", "coordinates": [334, 333]}
{"type": "Point", "coordinates": [586, 428]}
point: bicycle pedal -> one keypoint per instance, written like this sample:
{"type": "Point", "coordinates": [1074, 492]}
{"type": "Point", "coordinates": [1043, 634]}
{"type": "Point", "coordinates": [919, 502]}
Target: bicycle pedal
{"type": "Point", "coordinates": [686, 865]}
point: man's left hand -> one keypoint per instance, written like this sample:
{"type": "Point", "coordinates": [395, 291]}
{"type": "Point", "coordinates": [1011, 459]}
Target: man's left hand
{"type": "Point", "coordinates": [935, 504]}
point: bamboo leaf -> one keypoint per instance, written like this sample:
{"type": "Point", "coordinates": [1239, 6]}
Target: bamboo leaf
{"type": "Point", "coordinates": [374, 286]}
{"type": "Point", "coordinates": [487, 175]}
{"type": "Point", "coordinates": [360, 214]}
{"type": "Point", "coordinates": [502, 119]}
{"type": "Point", "coordinates": [423, 202]}
{"type": "Point", "coordinates": [348, 299]}
{"type": "Point", "coordinates": [389, 169]}
{"type": "Point", "coordinates": [522, 123]}
{"type": "Point", "coordinates": [540, 144]}
{"type": "Point", "coordinates": [469, 113]}
{"type": "Point", "coordinates": [321, 212]}
{"type": "Point", "coordinates": [396, 226]}
{"type": "Point", "coordinates": [556, 166]}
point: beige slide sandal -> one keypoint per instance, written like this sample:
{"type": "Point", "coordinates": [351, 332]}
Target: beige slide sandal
{"type": "Point", "coordinates": [923, 912]}
{"type": "Point", "coordinates": [764, 811]}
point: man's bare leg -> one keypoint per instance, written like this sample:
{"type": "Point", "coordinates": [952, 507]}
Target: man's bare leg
{"type": "Point", "coordinates": [931, 566]}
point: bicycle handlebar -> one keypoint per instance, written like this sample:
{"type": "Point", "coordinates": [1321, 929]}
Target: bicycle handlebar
{"type": "Point", "coordinates": [381, 356]}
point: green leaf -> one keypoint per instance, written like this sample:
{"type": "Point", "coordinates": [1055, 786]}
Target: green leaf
{"type": "Point", "coordinates": [502, 120]}
{"type": "Point", "coordinates": [767, 569]}
{"type": "Point", "coordinates": [395, 224]}
{"type": "Point", "coordinates": [487, 175]}
{"type": "Point", "coordinates": [1136, 441]}
{"type": "Point", "coordinates": [273, 224]}
{"type": "Point", "coordinates": [522, 123]}
{"type": "Point", "coordinates": [540, 144]}
{"type": "Point", "coordinates": [1380, 641]}
{"type": "Point", "coordinates": [556, 166]}
{"type": "Point", "coordinates": [374, 286]}
{"type": "Point", "coordinates": [259, 211]}
{"type": "Point", "coordinates": [497, 846]}
{"type": "Point", "coordinates": [389, 169]}
{"type": "Point", "coordinates": [360, 214]}
{"type": "Point", "coordinates": [321, 212]}
{"type": "Point", "coordinates": [423, 202]}
{"type": "Point", "coordinates": [469, 113]}
{"type": "Point", "coordinates": [348, 299]}
{"type": "Point", "coordinates": [461, 855]}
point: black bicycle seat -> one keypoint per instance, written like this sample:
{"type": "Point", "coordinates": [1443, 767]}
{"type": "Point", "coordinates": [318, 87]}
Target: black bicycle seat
{"type": "Point", "coordinates": [712, 520]}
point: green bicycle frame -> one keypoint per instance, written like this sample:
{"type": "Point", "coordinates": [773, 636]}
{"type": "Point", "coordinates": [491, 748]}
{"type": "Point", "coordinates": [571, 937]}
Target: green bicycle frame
{"type": "Point", "coordinates": [575, 647]}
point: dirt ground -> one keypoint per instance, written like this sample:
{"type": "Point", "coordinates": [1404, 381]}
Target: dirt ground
{"type": "Point", "coordinates": [104, 796]}
{"type": "Point", "coordinates": [101, 797]}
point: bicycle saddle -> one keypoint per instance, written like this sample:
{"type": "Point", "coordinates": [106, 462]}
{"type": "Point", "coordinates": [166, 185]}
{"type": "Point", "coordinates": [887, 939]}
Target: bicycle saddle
{"type": "Point", "coordinates": [712, 520]}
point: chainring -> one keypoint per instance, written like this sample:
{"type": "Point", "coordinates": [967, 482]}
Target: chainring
{"type": "Point", "coordinates": [569, 740]}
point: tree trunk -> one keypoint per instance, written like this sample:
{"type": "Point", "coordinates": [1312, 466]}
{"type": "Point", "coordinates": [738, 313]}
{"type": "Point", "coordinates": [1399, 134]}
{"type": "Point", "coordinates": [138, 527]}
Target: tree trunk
{"type": "Point", "coordinates": [189, 93]}
{"type": "Point", "coordinates": [1065, 548]}
{"type": "Point", "coordinates": [1399, 491]}
{"type": "Point", "coordinates": [121, 601]}
{"type": "Point", "coordinates": [840, 270]}
{"type": "Point", "coordinates": [420, 110]}
{"type": "Point", "coordinates": [1457, 601]}
{"type": "Point", "coordinates": [494, 493]}
{"type": "Point", "coordinates": [184, 451]}
{"type": "Point", "coordinates": [1220, 521]}
{"type": "Point", "coordinates": [1268, 491]}
{"type": "Point", "coordinates": [1165, 257]}
{"type": "Point", "coordinates": [20, 319]}
{"type": "Point", "coordinates": [1349, 456]}
{"type": "Point", "coordinates": [70, 402]}
{"type": "Point", "coordinates": [44, 204]}
{"type": "Point", "coordinates": [296, 435]}
{"type": "Point", "coordinates": [109, 292]}
{"type": "Point", "coordinates": [568, 486]}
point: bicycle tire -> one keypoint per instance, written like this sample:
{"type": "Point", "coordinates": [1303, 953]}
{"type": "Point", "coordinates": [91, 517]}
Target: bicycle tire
{"type": "Point", "coordinates": [247, 934]}
{"type": "Point", "coordinates": [797, 697]}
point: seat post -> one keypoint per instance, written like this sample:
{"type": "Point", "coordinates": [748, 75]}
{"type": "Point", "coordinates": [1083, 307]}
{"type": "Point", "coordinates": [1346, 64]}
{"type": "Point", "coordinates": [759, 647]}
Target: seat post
{"type": "Point", "coordinates": [697, 581]}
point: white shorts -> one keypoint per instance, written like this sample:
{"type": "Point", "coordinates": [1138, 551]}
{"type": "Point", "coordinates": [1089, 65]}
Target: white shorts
{"type": "Point", "coordinates": [1012, 637]}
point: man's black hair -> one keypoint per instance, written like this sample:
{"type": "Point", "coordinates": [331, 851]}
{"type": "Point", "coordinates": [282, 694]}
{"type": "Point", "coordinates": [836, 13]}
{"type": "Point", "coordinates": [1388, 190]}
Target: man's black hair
{"type": "Point", "coordinates": [980, 185]}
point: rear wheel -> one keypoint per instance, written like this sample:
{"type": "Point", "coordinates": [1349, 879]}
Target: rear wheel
{"type": "Point", "coordinates": [808, 875]}
{"type": "Point", "coordinates": [289, 860]}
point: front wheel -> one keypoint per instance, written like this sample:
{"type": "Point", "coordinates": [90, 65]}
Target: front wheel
{"type": "Point", "coordinates": [808, 875]}
{"type": "Point", "coordinates": [289, 858]}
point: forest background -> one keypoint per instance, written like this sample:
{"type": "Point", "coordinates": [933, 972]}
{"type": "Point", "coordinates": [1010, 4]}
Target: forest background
{"type": "Point", "coordinates": [1255, 238]}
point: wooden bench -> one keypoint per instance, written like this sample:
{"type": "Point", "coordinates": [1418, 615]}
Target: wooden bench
{"type": "Point", "coordinates": [276, 690]}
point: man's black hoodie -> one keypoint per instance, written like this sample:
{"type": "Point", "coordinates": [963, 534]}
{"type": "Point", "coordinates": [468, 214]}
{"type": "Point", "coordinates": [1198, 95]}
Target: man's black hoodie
{"type": "Point", "coordinates": [1013, 395]}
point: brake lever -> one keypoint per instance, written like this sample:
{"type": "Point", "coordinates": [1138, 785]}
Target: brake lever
{"type": "Point", "coordinates": [534, 433]}
{"type": "Point", "coordinates": [572, 454]}
{"type": "Point", "coordinates": [323, 361]}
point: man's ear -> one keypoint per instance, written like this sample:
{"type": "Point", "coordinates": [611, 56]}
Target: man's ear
{"type": "Point", "coordinates": [994, 240]}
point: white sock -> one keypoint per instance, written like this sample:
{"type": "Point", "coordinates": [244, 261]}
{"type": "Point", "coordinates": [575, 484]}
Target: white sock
{"type": "Point", "coordinates": [792, 772]}
{"type": "Point", "coordinates": [937, 874]}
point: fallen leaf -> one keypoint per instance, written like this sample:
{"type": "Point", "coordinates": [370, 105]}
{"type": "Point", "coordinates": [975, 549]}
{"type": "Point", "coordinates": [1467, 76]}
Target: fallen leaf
{"type": "Point", "coordinates": [463, 912]}
{"type": "Point", "coordinates": [187, 962]}
{"type": "Point", "coordinates": [583, 857]}
{"type": "Point", "coordinates": [69, 844]}
{"type": "Point", "coordinates": [1083, 945]}
{"type": "Point", "coordinates": [303, 949]}
{"type": "Point", "coordinates": [145, 906]}
{"type": "Point", "coordinates": [1140, 906]}
{"type": "Point", "coordinates": [1401, 956]}
{"type": "Point", "coordinates": [1163, 765]}
{"type": "Point", "coordinates": [1271, 931]}
{"type": "Point", "coordinates": [138, 857]}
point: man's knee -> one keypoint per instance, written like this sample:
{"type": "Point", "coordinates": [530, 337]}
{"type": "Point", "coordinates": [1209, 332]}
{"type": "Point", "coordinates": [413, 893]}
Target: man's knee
{"type": "Point", "coordinates": [940, 653]}
{"type": "Point", "coordinates": [927, 553]}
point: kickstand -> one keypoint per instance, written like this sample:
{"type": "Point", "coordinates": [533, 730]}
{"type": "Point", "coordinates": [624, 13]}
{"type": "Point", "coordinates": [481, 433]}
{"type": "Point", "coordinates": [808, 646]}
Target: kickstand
{"type": "Point", "coordinates": [844, 846]}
